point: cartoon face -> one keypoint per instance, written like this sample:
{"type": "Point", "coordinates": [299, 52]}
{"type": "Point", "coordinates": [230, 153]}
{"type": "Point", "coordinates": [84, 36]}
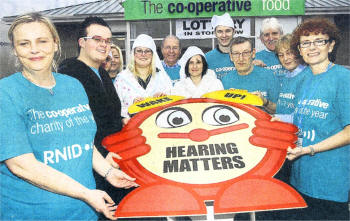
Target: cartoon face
{"type": "Point", "coordinates": [200, 143]}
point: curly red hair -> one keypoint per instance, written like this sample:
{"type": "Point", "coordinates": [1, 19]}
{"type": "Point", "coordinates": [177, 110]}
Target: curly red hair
{"type": "Point", "coordinates": [315, 26]}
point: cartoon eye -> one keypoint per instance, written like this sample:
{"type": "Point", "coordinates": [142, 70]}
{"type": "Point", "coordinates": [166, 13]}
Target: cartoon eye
{"type": "Point", "coordinates": [219, 115]}
{"type": "Point", "coordinates": [173, 117]}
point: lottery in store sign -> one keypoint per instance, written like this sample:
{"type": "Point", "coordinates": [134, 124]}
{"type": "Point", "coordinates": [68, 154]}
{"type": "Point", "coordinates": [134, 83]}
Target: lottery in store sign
{"type": "Point", "coordinates": [201, 28]}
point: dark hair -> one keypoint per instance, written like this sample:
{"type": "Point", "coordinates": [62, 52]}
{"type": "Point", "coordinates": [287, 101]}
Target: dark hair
{"type": "Point", "coordinates": [91, 20]}
{"type": "Point", "coordinates": [317, 26]}
{"type": "Point", "coordinates": [205, 66]}
{"type": "Point", "coordinates": [240, 40]}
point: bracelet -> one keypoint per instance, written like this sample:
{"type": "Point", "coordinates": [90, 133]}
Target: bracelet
{"type": "Point", "coordinates": [312, 151]}
{"type": "Point", "coordinates": [108, 172]}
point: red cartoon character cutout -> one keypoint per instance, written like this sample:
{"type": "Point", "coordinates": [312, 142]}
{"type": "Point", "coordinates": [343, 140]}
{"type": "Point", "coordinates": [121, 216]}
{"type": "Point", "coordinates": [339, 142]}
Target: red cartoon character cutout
{"type": "Point", "coordinates": [197, 150]}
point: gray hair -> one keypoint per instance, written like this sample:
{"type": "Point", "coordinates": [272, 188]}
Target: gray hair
{"type": "Point", "coordinates": [171, 36]}
{"type": "Point", "coordinates": [240, 40]}
{"type": "Point", "coordinates": [271, 23]}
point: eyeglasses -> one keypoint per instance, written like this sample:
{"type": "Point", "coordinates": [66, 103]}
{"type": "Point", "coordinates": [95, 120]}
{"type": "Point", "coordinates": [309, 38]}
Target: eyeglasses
{"type": "Point", "coordinates": [168, 48]}
{"type": "Point", "coordinates": [319, 42]}
{"type": "Point", "coordinates": [145, 52]}
{"type": "Point", "coordinates": [99, 39]}
{"type": "Point", "coordinates": [244, 54]}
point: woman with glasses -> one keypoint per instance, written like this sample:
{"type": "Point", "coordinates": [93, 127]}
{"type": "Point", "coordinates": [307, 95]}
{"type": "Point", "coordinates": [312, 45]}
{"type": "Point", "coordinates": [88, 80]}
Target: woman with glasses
{"type": "Point", "coordinates": [144, 76]}
{"type": "Point", "coordinates": [321, 168]}
{"type": "Point", "coordinates": [196, 78]}
{"type": "Point", "coordinates": [46, 136]}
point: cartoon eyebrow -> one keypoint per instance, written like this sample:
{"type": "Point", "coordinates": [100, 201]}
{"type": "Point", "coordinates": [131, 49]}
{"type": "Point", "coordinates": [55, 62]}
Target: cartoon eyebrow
{"type": "Point", "coordinates": [199, 135]}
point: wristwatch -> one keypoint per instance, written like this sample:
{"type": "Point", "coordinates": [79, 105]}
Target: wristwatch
{"type": "Point", "coordinates": [312, 151]}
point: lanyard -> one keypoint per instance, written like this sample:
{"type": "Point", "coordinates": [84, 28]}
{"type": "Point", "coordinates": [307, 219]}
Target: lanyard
{"type": "Point", "coordinates": [311, 92]}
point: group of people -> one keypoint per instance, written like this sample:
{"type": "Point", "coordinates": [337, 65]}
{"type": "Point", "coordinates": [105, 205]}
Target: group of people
{"type": "Point", "coordinates": [53, 165]}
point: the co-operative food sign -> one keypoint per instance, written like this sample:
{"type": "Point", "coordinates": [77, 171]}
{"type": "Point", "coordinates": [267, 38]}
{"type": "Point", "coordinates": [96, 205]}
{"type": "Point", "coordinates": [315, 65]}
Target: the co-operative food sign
{"type": "Point", "coordinates": [165, 9]}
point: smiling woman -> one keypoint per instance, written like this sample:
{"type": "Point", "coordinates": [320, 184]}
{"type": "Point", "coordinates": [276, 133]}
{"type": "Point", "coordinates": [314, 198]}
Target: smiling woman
{"type": "Point", "coordinates": [144, 76]}
{"type": "Point", "coordinates": [196, 78]}
{"type": "Point", "coordinates": [321, 169]}
{"type": "Point", "coordinates": [34, 107]}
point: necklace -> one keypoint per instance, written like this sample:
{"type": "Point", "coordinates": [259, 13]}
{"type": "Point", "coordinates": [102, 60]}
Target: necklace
{"type": "Point", "coordinates": [49, 88]}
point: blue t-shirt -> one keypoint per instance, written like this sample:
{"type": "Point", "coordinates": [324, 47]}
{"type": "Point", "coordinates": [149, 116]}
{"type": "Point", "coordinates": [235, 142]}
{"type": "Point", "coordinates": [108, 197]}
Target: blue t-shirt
{"type": "Point", "coordinates": [322, 110]}
{"type": "Point", "coordinates": [219, 62]}
{"type": "Point", "coordinates": [272, 63]}
{"type": "Point", "coordinates": [58, 128]}
{"type": "Point", "coordinates": [173, 72]}
{"type": "Point", "coordinates": [259, 79]}
{"type": "Point", "coordinates": [96, 72]}
{"type": "Point", "coordinates": [290, 85]}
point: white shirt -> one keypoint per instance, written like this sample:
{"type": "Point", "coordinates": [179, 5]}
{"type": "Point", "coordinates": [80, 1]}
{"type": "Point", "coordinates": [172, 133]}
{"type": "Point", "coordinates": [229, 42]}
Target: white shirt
{"type": "Point", "coordinates": [128, 88]}
{"type": "Point", "coordinates": [185, 87]}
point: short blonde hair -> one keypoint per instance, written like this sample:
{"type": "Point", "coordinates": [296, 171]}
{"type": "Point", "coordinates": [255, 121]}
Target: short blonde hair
{"type": "Point", "coordinates": [36, 17]}
{"type": "Point", "coordinates": [284, 42]}
{"type": "Point", "coordinates": [132, 65]}
{"type": "Point", "coordinates": [113, 46]}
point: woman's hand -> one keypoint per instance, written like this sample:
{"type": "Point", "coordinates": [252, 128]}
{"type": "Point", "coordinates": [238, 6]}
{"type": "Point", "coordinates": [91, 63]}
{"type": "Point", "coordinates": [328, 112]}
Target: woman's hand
{"type": "Point", "coordinates": [120, 179]}
{"type": "Point", "coordinates": [125, 121]}
{"type": "Point", "coordinates": [101, 202]}
{"type": "Point", "coordinates": [297, 152]}
{"type": "Point", "coordinates": [259, 94]}
{"type": "Point", "coordinates": [275, 119]}
{"type": "Point", "coordinates": [138, 99]}
{"type": "Point", "coordinates": [110, 157]}
{"type": "Point", "coordinates": [159, 94]}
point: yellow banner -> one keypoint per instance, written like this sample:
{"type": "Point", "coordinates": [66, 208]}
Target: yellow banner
{"type": "Point", "coordinates": [236, 96]}
{"type": "Point", "coordinates": [152, 102]}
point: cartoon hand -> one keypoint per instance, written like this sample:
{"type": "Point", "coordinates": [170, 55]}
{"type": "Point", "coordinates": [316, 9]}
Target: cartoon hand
{"type": "Point", "coordinates": [274, 134]}
{"type": "Point", "coordinates": [128, 144]}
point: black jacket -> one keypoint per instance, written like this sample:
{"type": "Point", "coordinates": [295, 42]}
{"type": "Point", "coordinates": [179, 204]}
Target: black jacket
{"type": "Point", "coordinates": [103, 99]}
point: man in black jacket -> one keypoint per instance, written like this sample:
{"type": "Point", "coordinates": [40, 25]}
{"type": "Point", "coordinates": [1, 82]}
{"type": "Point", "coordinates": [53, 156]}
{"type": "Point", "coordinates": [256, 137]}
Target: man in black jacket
{"type": "Point", "coordinates": [94, 45]}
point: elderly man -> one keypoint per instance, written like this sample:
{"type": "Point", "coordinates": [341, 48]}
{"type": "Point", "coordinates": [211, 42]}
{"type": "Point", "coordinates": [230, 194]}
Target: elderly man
{"type": "Point", "coordinates": [171, 50]}
{"type": "Point", "coordinates": [270, 33]}
{"type": "Point", "coordinates": [248, 77]}
{"type": "Point", "coordinates": [219, 59]}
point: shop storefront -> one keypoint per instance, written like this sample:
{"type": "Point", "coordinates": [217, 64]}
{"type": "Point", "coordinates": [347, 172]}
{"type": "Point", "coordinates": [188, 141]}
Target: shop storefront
{"type": "Point", "coordinates": [190, 20]}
